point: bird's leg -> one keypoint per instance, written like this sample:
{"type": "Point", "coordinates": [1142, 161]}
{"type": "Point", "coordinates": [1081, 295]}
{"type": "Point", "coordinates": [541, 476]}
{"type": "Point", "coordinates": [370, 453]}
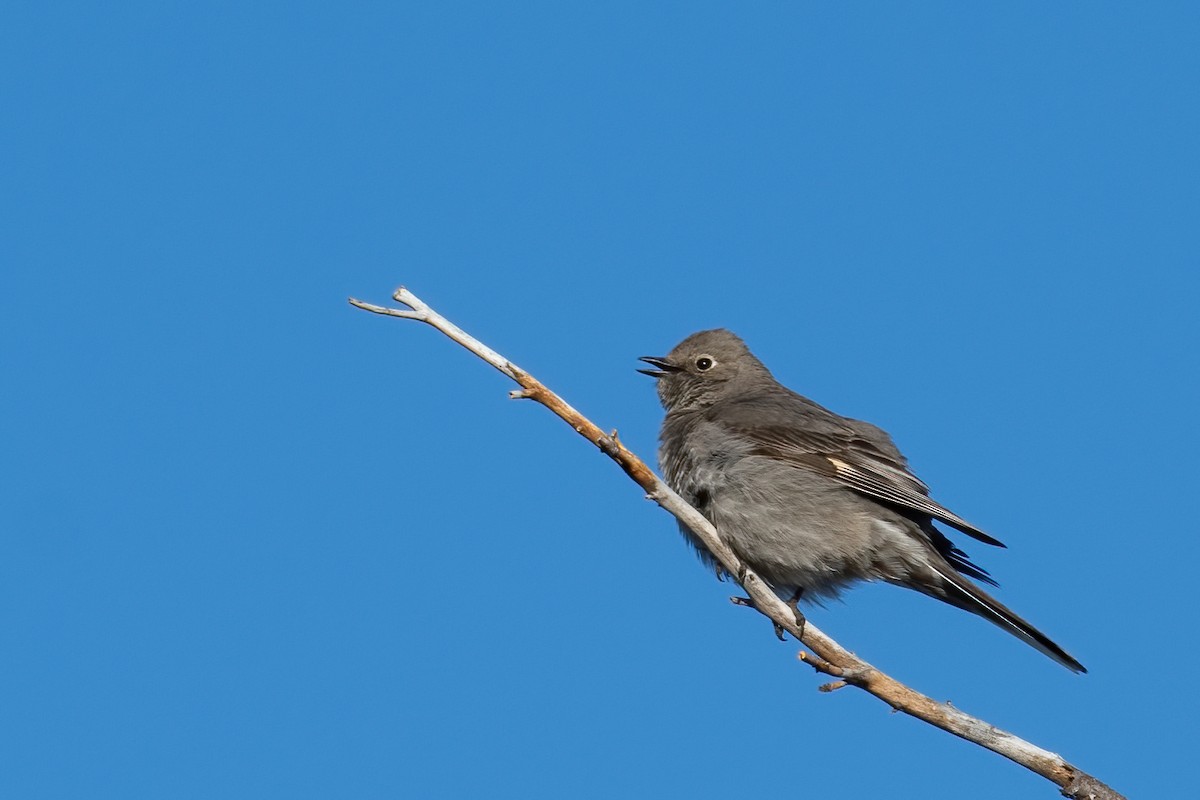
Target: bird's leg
{"type": "Point", "coordinates": [794, 605]}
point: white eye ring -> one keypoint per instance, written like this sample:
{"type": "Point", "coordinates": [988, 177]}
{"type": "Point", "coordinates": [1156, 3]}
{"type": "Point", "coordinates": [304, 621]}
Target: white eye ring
{"type": "Point", "coordinates": [704, 363]}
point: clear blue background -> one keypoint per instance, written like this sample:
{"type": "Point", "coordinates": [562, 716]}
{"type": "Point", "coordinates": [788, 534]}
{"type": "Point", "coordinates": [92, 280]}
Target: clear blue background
{"type": "Point", "coordinates": [256, 543]}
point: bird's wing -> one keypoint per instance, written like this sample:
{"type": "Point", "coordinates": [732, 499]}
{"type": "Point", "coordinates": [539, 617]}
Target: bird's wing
{"type": "Point", "coordinates": [854, 453]}
{"type": "Point", "coordinates": [881, 481]}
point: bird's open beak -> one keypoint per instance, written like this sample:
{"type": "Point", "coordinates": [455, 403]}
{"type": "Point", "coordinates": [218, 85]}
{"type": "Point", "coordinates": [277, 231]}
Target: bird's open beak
{"type": "Point", "coordinates": [664, 367]}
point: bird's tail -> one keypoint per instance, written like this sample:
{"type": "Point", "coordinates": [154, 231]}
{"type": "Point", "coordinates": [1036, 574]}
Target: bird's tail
{"type": "Point", "coordinates": [960, 592]}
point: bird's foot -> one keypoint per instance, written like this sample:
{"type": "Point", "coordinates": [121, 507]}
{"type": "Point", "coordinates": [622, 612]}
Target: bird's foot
{"type": "Point", "coordinates": [779, 631]}
{"type": "Point", "coordinates": [794, 604]}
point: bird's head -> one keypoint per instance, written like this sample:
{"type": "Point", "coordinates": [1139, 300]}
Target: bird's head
{"type": "Point", "coordinates": [703, 368]}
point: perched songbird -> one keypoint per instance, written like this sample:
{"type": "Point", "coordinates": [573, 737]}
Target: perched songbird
{"type": "Point", "coordinates": [810, 500]}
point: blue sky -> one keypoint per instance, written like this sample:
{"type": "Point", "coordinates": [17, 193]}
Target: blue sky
{"type": "Point", "coordinates": [256, 543]}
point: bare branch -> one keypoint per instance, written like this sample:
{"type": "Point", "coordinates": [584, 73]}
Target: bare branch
{"type": "Point", "coordinates": [827, 657]}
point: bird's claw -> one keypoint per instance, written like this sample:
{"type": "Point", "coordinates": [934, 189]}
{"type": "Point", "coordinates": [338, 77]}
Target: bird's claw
{"type": "Point", "coordinates": [793, 603]}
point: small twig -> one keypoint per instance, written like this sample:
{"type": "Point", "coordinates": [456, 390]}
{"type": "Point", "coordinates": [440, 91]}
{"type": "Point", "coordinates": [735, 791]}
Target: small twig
{"type": "Point", "coordinates": [820, 664]}
{"type": "Point", "coordinates": [828, 656]}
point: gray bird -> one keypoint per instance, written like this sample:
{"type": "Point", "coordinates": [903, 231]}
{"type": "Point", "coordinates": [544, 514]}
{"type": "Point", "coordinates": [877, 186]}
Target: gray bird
{"type": "Point", "coordinates": [810, 500]}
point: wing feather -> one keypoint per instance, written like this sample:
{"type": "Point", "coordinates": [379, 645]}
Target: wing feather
{"type": "Point", "coordinates": [855, 453]}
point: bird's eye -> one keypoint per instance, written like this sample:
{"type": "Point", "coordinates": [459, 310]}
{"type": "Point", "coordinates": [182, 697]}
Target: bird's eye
{"type": "Point", "coordinates": [703, 363]}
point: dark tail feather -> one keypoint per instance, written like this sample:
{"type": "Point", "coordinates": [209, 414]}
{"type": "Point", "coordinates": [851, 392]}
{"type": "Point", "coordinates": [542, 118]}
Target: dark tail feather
{"type": "Point", "coordinates": [969, 597]}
